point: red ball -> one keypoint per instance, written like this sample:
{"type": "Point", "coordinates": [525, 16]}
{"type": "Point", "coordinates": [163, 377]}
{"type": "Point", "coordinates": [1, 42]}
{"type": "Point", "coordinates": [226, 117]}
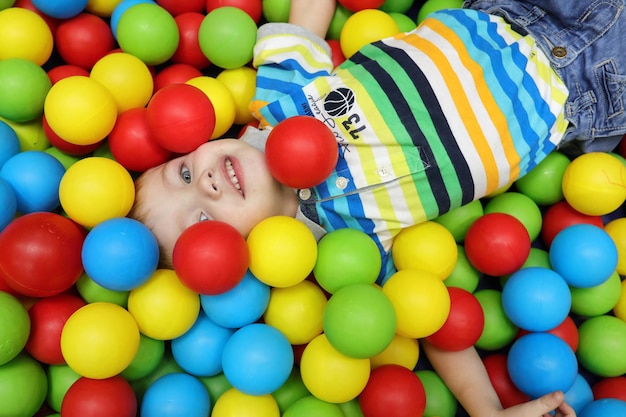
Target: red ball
{"type": "Point", "coordinates": [301, 152]}
{"type": "Point", "coordinates": [63, 71]}
{"type": "Point", "coordinates": [336, 53]}
{"type": "Point", "coordinates": [47, 318]}
{"type": "Point", "coordinates": [562, 215]}
{"type": "Point", "coordinates": [393, 390]}
{"type": "Point", "coordinates": [176, 7]}
{"type": "Point", "coordinates": [497, 244]}
{"type": "Point", "coordinates": [99, 398]}
{"type": "Point", "coordinates": [181, 117]}
{"type": "Point", "coordinates": [131, 143]}
{"type": "Point", "coordinates": [567, 331]}
{"type": "Point", "coordinates": [508, 393]}
{"type": "Point", "coordinates": [464, 324]}
{"type": "Point", "coordinates": [175, 74]}
{"type": "Point", "coordinates": [65, 146]}
{"type": "Point", "coordinates": [254, 8]}
{"type": "Point", "coordinates": [210, 257]}
{"type": "Point", "coordinates": [613, 387]}
{"type": "Point", "coordinates": [83, 39]}
{"type": "Point", "coordinates": [356, 5]}
{"type": "Point", "coordinates": [188, 51]}
{"type": "Point", "coordinates": [40, 254]}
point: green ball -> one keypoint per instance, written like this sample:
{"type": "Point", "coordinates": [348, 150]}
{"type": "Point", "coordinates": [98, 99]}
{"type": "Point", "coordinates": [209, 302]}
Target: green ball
{"type": "Point", "coordinates": [359, 321]}
{"type": "Point", "coordinates": [536, 257]}
{"type": "Point", "coordinates": [311, 406]}
{"type": "Point", "coordinates": [215, 385]}
{"type": "Point", "coordinates": [351, 408]}
{"type": "Point", "coordinates": [23, 387]}
{"type": "Point", "coordinates": [498, 331]}
{"type": "Point", "coordinates": [5, 4]}
{"type": "Point", "coordinates": [14, 327]}
{"type": "Point", "coordinates": [431, 6]}
{"type": "Point", "coordinates": [24, 86]}
{"type": "Point", "coordinates": [440, 401]}
{"type": "Point", "coordinates": [92, 292]}
{"type": "Point", "coordinates": [543, 184]}
{"type": "Point", "coordinates": [396, 6]}
{"type": "Point", "coordinates": [458, 220]}
{"type": "Point", "coordinates": [597, 300]}
{"type": "Point", "coordinates": [602, 346]}
{"type": "Point", "coordinates": [291, 391]}
{"type": "Point", "coordinates": [404, 22]}
{"type": "Point", "coordinates": [345, 257]}
{"type": "Point", "coordinates": [336, 24]}
{"type": "Point", "coordinates": [65, 159]}
{"type": "Point", "coordinates": [167, 366]}
{"type": "Point", "coordinates": [276, 10]}
{"type": "Point", "coordinates": [146, 360]}
{"type": "Point", "coordinates": [520, 206]}
{"type": "Point", "coordinates": [464, 275]}
{"type": "Point", "coordinates": [227, 36]}
{"type": "Point", "coordinates": [149, 32]}
{"type": "Point", "coordinates": [60, 379]}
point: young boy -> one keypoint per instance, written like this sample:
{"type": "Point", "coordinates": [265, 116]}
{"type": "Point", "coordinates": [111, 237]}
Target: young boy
{"type": "Point", "coordinates": [426, 121]}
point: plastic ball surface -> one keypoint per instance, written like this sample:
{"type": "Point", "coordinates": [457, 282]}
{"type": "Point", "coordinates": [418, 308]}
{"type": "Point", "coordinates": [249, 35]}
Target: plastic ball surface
{"type": "Point", "coordinates": [604, 407]}
{"type": "Point", "coordinates": [580, 394]}
{"type": "Point", "coordinates": [543, 184]}
{"type": "Point", "coordinates": [499, 330]}
{"type": "Point", "coordinates": [40, 254]}
{"type": "Point", "coordinates": [356, 5]}
{"type": "Point", "coordinates": [14, 327]}
{"type": "Point", "coordinates": [210, 257]}
{"type": "Point", "coordinates": [100, 398]}
{"type": "Point", "coordinates": [28, 86]}
{"type": "Point", "coordinates": [100, 340]}
{"type": "Point", "coordinates": [96, 189]}
{"type": "Point", "coordinates": [83, 39]}
{"type": "Point", "coordinates": [345, 257]}
{"type": "Point", "coordinates": [24, 34]}
{"type": "Point", "coordinates": [584, 255]}
{"type": "Point", "coordinates": [283, 251]}
{"type": "Point", "coordinates": [496, 367]}
{"type": "Point", "coordinates": [234, 403]}
{"type": "Point", "coordinates": [310, 406]}
{"type": "Point", "coordinates": [536, 299]}
{"type": "Point", "coordinates": [35, 177]}
{"type": "Point", "coordinates": [301, 152]}
{"type": "Point", "coordinates": [364, 27]}
{"type": "Point", "coordinates": [439, 400]}
{"type": "Point", "coordinates": [188, 51]}
{"type": "Point", "coordinates": [23, 386]}
{"type": "Point", "coordinates": [119, 10]}
{"type": "Point", "coordinates": [540, 363]}
{"type": "Point", "coordinates": [561, 215]}
{"type": "Point", "coordinates": [120, 254]}
{"type": "Point", "coordinates": [241, 82]}
{"type": "Point", "coordinates": [60, 9]}
{"type": "Point", "coordinates": [602, 346]}
{"type": "Point", "coordinates": [176, 395]}
{"type": "Point", "coordinates": [227, 25]}
{"type": "Point", "coordinates": [393, 390]}
{"type": "Point", "coordinates": [613, 387]}
{"type": "Point", "coordinates": [9, 209]}
{"type": "Point", "coordinates": [9, 143]}
{"type": "Point", "coordinates": [520, 206]}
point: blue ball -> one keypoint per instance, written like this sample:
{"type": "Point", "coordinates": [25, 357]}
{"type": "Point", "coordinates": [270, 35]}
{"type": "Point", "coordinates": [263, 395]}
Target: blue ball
{"type": "Point", "coordinates": [604, 407]}
{"type": "Point", "coordinates": [540, 363]}
{"type": "Point", "coordinates": [536, 299]}
{"type": "Point", "coordinates": [257, 359]}
{"type": "Point", "coordinates": [8, 204]}
{"type": "Point", "coordinates": [579, 395]}
{"type": "Point", "coordinates": [199, 350]}
{"type": "Point", "coordinates": [176, 395]}
{"type": "Point", "coordinates": [584, 255]}
{"type": "Point", "coordinates": [60, 9]}
{"type": "Point", "coordinates": [119, 10]}
{"type": "Point", "coordinates": [35, 177]}
{"type": "Point", "coordinates": [244, 304]}
{"type": "Point", "coordinates": [9, 143]}
{"type": "Point", "coordinates": [120, 254]}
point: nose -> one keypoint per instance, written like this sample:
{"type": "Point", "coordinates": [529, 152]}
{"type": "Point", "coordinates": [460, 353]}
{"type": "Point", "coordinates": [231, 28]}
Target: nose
{"type": "Point", "coordinates": [208, 185]}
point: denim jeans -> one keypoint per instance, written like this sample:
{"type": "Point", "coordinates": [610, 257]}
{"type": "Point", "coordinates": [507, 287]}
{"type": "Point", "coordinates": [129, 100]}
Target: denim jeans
{"type": "Point", "coordinates": [586, 42]}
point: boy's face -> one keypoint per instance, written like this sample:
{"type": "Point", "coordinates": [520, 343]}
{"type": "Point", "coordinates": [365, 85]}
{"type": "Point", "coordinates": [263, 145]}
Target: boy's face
{"type": "Point", "coordinates": [225, 180]}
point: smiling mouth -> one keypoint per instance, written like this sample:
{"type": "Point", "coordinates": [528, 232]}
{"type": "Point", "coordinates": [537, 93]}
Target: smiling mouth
{"type": "Point", "coordinates": [232, 175]}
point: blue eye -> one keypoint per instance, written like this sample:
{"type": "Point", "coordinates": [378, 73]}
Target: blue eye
{"type": "Point", "coordinates": [185, 174]}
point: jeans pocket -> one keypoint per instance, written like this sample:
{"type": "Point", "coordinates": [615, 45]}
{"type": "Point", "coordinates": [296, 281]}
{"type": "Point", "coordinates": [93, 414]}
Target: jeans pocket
{"type": "Point", "coordinates": [613, 85]}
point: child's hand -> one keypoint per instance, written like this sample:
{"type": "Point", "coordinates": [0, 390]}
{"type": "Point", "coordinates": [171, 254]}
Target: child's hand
{"type": "Point", "coordinates": [541, 407]}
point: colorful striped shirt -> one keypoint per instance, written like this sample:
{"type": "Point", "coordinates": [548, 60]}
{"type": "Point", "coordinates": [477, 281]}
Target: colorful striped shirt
{"type": "Point", "coordinates": [425, 121]}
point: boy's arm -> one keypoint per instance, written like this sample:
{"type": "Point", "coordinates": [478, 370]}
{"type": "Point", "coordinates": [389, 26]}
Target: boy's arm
{"type": "Point", "coordinates": [465, 375]}
{"type": "Point", "coordinates": [313, 15]}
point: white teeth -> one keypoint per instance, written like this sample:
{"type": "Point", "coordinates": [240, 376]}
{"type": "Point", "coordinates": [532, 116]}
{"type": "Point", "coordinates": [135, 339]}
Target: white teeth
{"type": "Point", "coordinates": [232, 175]}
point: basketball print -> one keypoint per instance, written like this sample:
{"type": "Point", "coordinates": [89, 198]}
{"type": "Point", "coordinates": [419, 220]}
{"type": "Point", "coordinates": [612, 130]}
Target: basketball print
{"type": "Point", "coordinates": [339, 102]}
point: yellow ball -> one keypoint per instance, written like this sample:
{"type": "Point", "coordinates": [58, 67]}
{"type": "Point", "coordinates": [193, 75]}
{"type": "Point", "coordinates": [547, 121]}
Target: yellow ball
{"type": "Point", "coordinates": [283, 251]}
{"type": "Point", "coordinates": [297, 311]}
{"type": "Point", "coordinates": [103, 8]}
{"type": "Point", "coordinates": [80, 110]}
{"type": "Point", "coordinates": [222, 100]}
{"type": "Point", "coordinates": [24, 34]}
{"type": "Point", "coordinates": [331, 376]}
{"type": "Point", "coordinates": [421, 301]}
{"type": "Point", "coordinates": [426, 246]}
{"type": "Point", "coordinates": [403, 351]}
{"type": "Point", "coordinates": [617, 230]}
{"type": "Point", "coordinates": [126, 77]}
{"type": "Point", "coordinates": [364, 27]}
{"type": "Point", "coordinates": [242, 84]}
{"type": "Point", "coordinates": [620, 308]}
{"type": "Point", "coordinates": [95, 189]}
{"type": "Point", "coordinates": [234, 403]}
{"type": "Point", "coordinates": [99, 340]}
{"type": "Point", "coordinates": [595, 183]}
{"type": "Point", "coordinates": [163, 307]}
